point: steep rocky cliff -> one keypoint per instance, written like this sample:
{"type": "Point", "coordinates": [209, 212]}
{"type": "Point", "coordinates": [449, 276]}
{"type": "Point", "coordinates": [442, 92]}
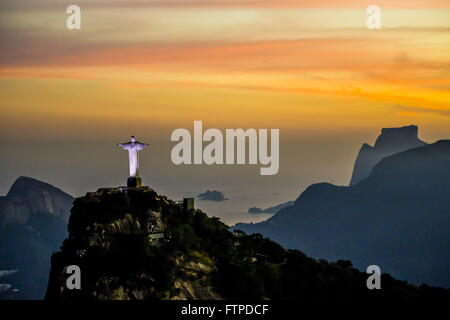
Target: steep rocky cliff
{"type": "Point", "coordinates": [33, 223]}
{"type": "Point", "coordinates": [133, 244]}
{"type": "Point", "coordinates": [391, 140]}
{"type": "Point", "coordinates": [29, 197]}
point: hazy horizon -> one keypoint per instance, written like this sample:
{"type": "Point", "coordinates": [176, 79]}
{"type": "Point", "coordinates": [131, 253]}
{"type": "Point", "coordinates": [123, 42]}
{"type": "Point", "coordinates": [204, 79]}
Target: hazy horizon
{"type": "Point", "coordinates": [81, 167]}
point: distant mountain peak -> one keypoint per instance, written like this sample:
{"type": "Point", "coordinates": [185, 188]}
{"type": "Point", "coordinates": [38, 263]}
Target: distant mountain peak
{"type": "Point", "coordinates": [393, 137]}
{"type": "Point", "coordinates": [24, 184]}
{"type": "Point", "coordinates": [28, 196]}
{"type": "Point", "coordinates": [407, 130]}
{"type": "Point", "coordinates": [33, 223]}
{"type": "Point", "coordinates": [389, 142]}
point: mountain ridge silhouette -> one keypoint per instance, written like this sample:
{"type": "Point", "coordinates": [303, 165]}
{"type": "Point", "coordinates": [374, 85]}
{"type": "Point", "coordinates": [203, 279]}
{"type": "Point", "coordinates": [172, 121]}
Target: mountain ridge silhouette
{"type": "Point", "coordinates": [390, 141]}
{"type": "Point", "coordinates": [398, 218]}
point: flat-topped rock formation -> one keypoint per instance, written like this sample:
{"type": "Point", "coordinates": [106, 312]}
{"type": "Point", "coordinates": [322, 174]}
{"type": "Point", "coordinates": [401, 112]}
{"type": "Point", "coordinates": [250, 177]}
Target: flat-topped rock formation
{"type": "Point", "coordinates": [391, 140]}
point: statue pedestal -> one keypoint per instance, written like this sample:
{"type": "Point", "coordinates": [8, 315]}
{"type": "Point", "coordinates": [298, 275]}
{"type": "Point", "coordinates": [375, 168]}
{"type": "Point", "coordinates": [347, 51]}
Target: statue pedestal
{"type": "Point", "coordinates": [134, 182]}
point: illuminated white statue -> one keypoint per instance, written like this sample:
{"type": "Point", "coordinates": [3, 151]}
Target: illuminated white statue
{"type": "Point", "coordinates": [133, 148]}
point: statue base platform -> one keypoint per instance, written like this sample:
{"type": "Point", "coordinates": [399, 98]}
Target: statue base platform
{"type": "Point", "coordinates": [134, 182]}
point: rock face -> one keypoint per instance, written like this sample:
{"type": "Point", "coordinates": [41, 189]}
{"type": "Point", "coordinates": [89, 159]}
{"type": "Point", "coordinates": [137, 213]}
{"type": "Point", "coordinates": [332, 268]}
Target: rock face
{"type": "Point", "coordinates": [28, 197]}
{"type": "Point", "coordinates": [33, 222]}
{"type": "Point", "coordinates": [397, 218]}
{"type": "Point", "coordinates": [112, 233]}
{"type": "Point", "coordinates": [391, 140]}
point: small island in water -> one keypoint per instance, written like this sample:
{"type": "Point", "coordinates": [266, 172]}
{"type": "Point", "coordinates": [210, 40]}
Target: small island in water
{"type": "Point", "coordinates": [212, 195]}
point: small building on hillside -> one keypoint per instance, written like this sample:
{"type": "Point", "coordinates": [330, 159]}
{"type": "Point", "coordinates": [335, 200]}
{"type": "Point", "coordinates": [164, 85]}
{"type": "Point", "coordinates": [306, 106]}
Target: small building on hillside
{"type": "Point", "coordinates": [188, 204]}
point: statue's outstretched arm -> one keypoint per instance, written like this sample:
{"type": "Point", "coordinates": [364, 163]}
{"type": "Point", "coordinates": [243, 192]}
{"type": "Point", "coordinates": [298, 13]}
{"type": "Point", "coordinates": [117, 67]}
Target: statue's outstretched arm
{"type": "Point", "coordinates": [123, 145]}
{"type": "Point", "coordinates": [142, 145]}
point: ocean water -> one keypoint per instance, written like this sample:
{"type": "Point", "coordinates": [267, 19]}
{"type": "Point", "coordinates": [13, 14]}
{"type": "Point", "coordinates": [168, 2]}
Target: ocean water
{"type": "Point", "coordinates": [235, 208]}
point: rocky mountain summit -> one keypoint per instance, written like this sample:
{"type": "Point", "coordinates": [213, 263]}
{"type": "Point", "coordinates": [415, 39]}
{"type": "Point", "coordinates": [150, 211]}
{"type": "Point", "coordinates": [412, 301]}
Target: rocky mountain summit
{"type": "Point", "coordinates": [391, 140]}
{"type": "Point", "coordinates": [33, 223]}
{"type": "Point", "coordinates": [29, 197]}
{"type": "Point", "coordinates": [133, 244]}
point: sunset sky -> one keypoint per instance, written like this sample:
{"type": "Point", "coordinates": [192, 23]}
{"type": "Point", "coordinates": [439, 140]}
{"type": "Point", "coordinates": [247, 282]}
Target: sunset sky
{"type": "Point", "coordinates": [310, 68]}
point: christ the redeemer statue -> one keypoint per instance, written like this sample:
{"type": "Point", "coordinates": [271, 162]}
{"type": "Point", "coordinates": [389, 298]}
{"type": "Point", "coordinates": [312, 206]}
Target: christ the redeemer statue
{"type": "Point", "coordinates": [133, 148]}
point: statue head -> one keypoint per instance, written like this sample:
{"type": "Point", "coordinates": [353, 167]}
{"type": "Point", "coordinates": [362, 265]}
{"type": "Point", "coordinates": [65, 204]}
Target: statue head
{"type": "Point", "coordinates": [133, 139]}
